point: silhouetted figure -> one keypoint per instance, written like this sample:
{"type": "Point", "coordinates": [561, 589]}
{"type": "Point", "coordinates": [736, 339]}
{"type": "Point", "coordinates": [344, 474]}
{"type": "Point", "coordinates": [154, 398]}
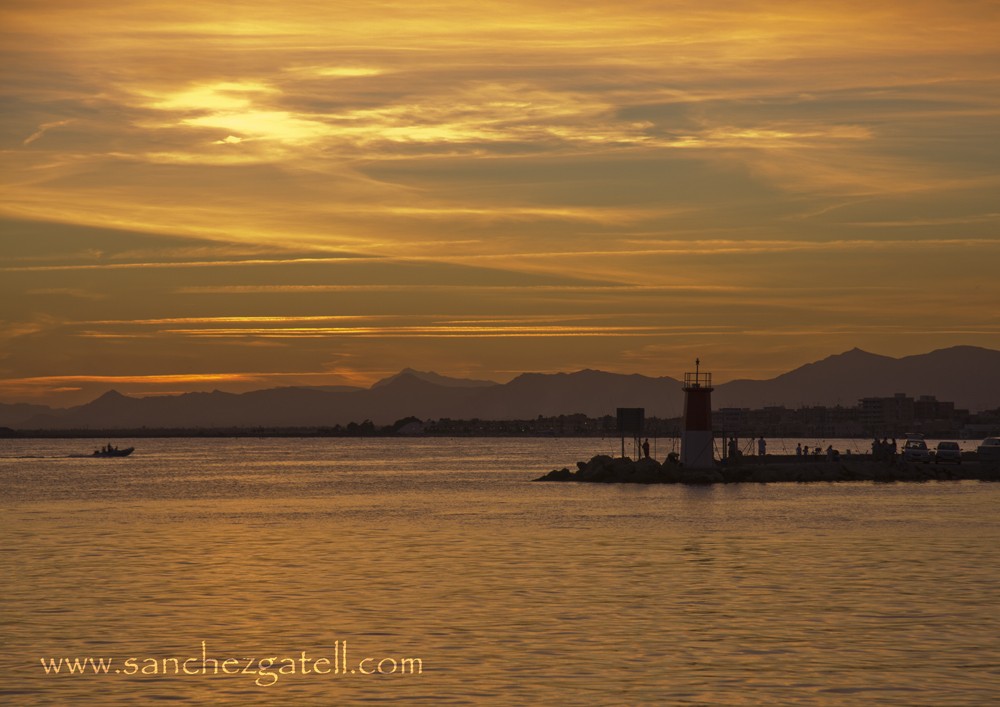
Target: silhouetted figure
{"type": "Point", "coordinates": [798, 449]}
{"type": "Point", "coordinates": [761, 447]}
{"type": "Point", "coordinates": [645, 449]}
{"type": "Point", "coordinates": [733, 448]}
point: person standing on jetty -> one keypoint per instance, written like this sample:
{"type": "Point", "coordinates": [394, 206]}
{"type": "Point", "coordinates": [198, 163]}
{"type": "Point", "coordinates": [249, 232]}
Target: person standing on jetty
{"type": "Point", "coordinates": [883, 450]}
{"type": "Point", "coordinates": [761, 446]}
{"type": "Point", "coordinates": [645, 449]}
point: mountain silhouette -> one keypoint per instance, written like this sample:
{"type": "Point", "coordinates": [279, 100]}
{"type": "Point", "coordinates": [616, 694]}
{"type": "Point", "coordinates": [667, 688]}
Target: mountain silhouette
{"type": "Point", "coordinates": [436, 379]}
{"type": "Point", "coordinates": [16, 413]}
{"type": "Point", "coordinates": [966, 375]}
{"type": "Point", "coordinates": [969, 376]}
{"type": "Point", "coordinates": [594, 393]}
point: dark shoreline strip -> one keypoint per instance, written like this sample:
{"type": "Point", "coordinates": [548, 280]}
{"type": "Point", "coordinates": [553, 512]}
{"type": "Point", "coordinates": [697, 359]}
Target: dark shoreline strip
{"type": "Point", "coordinates": [604, 469]}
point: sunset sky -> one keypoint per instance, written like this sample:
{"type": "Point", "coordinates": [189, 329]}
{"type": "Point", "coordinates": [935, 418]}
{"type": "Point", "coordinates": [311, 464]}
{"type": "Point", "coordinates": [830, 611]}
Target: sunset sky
{"type": "Point", "coordinates": [249, 194]}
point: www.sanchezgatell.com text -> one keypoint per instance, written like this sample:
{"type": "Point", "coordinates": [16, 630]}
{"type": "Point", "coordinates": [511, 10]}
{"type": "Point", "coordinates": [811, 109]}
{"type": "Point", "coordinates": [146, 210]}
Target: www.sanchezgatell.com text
{"type": "Point", "coordinates": [265, 671]}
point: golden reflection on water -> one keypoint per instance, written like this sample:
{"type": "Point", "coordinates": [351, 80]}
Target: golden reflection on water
{"type": "Point", "coordinates": [508, 591]}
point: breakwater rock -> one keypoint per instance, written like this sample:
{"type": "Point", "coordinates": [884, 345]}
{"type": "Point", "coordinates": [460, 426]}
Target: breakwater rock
{"type": "Point", "coordinates": [623, 470]}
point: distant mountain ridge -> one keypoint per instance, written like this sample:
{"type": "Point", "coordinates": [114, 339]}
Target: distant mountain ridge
{"type": "Point", "coordinates": [966, 375]}
{"type": "Point", "coordinates": [436, 379]}
{"type": "Point", "coordinates": [969, 376]}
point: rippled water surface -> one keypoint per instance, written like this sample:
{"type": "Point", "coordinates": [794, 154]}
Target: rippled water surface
{"type": "Point", "coordinates": [509, 592]}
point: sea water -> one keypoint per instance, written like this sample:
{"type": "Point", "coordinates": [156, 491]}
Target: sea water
{"type": "Point", "coordinates": [434, 571]}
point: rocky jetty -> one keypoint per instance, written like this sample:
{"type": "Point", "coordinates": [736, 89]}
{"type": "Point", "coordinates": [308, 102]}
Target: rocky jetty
{"type": "Point", "coordinates": [623, 470]}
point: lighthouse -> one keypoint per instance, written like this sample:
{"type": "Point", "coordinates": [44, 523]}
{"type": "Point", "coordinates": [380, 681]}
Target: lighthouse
{"type": "Point", "coordinates": [696, 438]}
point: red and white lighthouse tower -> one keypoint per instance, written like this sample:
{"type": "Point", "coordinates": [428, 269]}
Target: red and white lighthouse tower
{"type": "Point", "coordinates": [697, 442]}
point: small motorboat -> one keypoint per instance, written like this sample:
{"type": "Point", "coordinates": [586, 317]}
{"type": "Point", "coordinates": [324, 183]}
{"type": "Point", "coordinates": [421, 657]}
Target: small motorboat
{"type": "Point", "coordinates": [109, 451]}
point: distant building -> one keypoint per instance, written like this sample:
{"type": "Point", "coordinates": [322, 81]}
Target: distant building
{"type": "Point", "coordinates": [927, 407]}
{"type": "Point", "coordinates": [731, 419]}
{"type": "Point", "coordinates": [887, 415]}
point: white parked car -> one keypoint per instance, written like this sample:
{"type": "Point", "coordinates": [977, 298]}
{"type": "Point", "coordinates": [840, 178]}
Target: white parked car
{"type": "Point", "coordinates": [915, 450]}
{"type": "Point", "coordinates": [947, 452]}
{"type": "Point", "coordinates": [989, 450]}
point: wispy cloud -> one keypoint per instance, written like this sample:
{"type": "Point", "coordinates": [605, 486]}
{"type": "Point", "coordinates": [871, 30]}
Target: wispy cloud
{"type": "Point", "coordinates": [417, 332]}
{"type": "Point", "coordinates": [73, 292]}
{"type": "Point", "coordinates": [459, 288]}
{"type": "Point", "coordinates": [182, 264]}
{"type": "Point", "coordinates": [44, 128]}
